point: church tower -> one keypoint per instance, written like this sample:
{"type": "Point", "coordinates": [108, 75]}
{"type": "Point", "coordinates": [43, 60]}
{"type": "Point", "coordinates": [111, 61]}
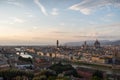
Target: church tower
{"type": "Point", "coordinates": [85, 45]}
{"type": "Point", "coordinates": [57, 43]}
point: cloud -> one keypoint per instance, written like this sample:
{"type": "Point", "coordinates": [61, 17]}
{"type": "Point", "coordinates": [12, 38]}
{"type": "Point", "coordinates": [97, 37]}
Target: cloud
{"type": "Point", "coordinates": [59, 32]}
{"type": "Point", "coordinates": [86, 11]}
{"type": "Point", "coordinates": [88, 6]}
{"type": "Point", "coordinates": [109, 26]}
{"type": "Point", "coordinates": [41, 7]}
{"type": "Point", "coordinates": [35, 28]}
{"type": "Point", "coordinates": [12, 20]}
{"type": "Point", "coordinates": [100, 37]}
{"type": "Point", "coordinates": [15, 3]}
{"type": "Point", "coordinates": [90, 34]}
{"type": "Point", "coordinates": [110, 15]}
{"type": "Point", "coordinates": [30, 15]}
{"type": "Point", "coordinates": [16, 20]}
{"type": "Point", "coordinates": [54, 12]}
{"type": "Point", "coordinates": [62, 24]}
{"type": "Point", "coordinates": [82, 36]}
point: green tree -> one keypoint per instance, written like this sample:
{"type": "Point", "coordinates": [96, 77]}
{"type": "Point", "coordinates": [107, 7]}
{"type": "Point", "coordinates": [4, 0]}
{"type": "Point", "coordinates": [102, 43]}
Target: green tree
{"type": "Point", "coordinates": [10, 74]}
{"type": "Point", "coordinates": [97, 75]}
{"type": "Point", "coordinates": [52, 78]}
{"type": "Point", "coordinates": [67, 69]}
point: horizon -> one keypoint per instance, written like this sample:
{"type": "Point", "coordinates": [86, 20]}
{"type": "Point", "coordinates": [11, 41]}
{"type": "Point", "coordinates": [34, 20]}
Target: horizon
{"type": "Point", "coordinates": [42, 22]}
{"type": "Point", "coordinates": [62, 44]}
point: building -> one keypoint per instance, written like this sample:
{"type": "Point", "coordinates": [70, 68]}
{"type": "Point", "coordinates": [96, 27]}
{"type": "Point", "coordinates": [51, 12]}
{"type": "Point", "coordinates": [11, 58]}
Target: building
{"type": "Point", "coordinates": [3, 62]}
{"type": "Point", "coordinates": [24, 55]}
{"type": "Point", "coordinates": [57, 43]}
{"type": "Point", "coordinates": [97, 44]}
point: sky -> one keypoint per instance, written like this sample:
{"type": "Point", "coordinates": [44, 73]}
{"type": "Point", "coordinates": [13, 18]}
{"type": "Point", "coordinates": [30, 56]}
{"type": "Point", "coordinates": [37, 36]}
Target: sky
{"type": "Point", "coordinates": [42, 22]}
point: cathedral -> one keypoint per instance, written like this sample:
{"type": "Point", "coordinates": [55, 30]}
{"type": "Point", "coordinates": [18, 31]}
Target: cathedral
{"type": "Point", "coordinates": [97, 44]}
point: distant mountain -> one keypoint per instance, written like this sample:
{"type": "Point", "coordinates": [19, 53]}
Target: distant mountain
{"type": "Point", "coordinates": [115, 42]}
{"type": "Point", "coordinates": [91, 42]}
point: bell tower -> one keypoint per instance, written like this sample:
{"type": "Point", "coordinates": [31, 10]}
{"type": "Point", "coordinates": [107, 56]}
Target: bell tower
{"type": "Point", "coordinates": [57, 43]}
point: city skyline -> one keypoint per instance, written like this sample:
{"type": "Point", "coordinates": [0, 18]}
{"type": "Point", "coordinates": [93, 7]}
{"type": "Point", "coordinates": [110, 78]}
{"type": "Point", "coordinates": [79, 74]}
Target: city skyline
{"type": "Point", "coordinates": [45, 21]}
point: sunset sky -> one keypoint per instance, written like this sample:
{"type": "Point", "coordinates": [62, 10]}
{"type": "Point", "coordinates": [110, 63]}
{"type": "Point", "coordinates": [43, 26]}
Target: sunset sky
{"type": "Point", "coordinates": [45, 21]}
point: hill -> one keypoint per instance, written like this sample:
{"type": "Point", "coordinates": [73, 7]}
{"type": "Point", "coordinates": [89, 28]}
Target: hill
{"type": "Point", "coordinates": [91, 42]}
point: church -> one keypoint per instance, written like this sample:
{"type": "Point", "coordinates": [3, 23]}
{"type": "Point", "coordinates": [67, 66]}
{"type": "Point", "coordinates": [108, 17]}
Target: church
{"type": "Point", "coordinates": [97, 44]}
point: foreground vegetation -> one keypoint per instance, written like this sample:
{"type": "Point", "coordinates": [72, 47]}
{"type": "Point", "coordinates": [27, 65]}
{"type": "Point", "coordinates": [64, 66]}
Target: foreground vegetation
{"type": "Point", "coordinates": [14, 74]}
{"type": "Point", "coordinates": [55, 72]}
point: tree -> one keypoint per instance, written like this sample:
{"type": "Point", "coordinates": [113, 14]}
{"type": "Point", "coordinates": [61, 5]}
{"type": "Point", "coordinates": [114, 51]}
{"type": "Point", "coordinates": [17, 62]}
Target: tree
{"type": "Point", "coordinates": [67, 69]}
{"type": "Point", "coordinates": [97, 75]}
{"type": "Point", "coordinates": [10, 74]}
{"type": "Point", "coordinates": [52, 78]}
{"type": "Point", "coordinates": [63, 78]}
